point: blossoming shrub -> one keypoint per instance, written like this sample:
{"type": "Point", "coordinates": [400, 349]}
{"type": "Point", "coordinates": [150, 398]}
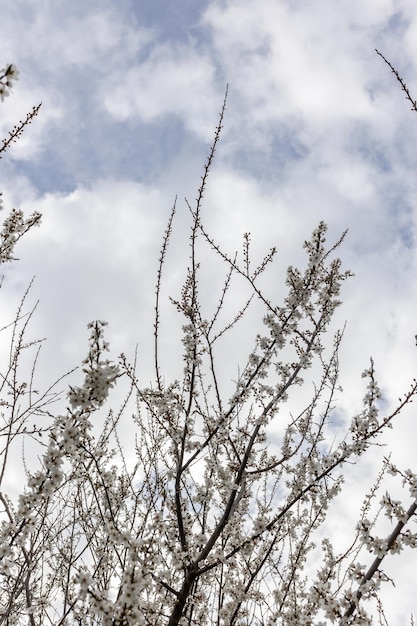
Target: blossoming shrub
{"type": "Point", "coordinates": [207, 519]}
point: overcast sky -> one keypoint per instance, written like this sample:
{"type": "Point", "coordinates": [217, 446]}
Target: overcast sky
{"type": "Point", "coordinates": [316, 128]}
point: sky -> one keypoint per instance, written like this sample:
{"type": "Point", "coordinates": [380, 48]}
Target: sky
{"type": "Point", "coordinates": [316, 128]}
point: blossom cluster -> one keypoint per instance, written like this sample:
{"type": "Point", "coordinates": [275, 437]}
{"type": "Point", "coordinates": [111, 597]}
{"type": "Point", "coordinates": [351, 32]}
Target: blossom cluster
{"type": "Point", "coordinates": [67, 439]}
{"type": "Point", "coordinates": [15, 225]}
{"type": "Point", "coordinates": [8, 75]}
{"type": "Point", "coordinates": [100, 375]}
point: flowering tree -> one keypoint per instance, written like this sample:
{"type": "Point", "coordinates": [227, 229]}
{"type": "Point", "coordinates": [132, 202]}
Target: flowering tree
{"type": "Point", "coordinates": [211, 518]}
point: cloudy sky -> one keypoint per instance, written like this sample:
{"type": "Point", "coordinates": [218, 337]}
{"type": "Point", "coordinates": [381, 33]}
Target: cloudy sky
{"type": "Point", "coordinates": [316, 128]}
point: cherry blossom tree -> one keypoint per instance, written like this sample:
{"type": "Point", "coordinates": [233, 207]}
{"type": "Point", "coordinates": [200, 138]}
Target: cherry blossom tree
{"type": "Point", "coordinates": [213, 515]}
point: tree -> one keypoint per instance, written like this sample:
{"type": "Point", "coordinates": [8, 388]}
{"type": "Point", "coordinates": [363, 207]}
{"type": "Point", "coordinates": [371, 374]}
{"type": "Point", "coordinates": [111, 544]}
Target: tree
{"type": "Point", "coordinates": [211, 518]}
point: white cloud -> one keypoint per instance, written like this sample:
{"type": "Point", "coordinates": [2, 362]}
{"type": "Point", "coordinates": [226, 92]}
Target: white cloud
{"type": "Point", "coordinates": [315, 63]}
{"type": "Point", "coordinates": [93, 257]}
{"type": "Point", "coordinates": [173, 80]}
{"type": "Point", "coordinates": [69, 39]}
